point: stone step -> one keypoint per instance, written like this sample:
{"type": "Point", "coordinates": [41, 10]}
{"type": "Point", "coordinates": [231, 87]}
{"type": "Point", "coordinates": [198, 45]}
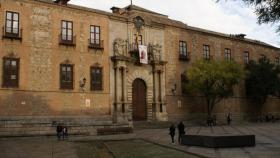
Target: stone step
{"type": "Point", "coordinates": [33, 126]}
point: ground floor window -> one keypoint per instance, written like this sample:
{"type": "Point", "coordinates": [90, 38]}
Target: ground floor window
{"type": "Point", "coordinates": [96, 76]}
{"type": "Point", "coordinates": [66, 76]}
{"type": "Point", "coordinates": [10, 72]}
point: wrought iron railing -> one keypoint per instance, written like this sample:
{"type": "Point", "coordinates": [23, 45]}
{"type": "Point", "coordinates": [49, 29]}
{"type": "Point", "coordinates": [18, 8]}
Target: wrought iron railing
{"type": "Point", "coordinates": [12, 33]}
{"type": "Point", "coordinates": [94, 44]}
{"type": "Point", "coordinates": [67, 40]}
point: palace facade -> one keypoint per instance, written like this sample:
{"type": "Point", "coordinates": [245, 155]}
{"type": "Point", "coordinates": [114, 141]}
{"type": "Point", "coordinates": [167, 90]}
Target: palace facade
{"type": "Point", "coordinates": [62, 63]}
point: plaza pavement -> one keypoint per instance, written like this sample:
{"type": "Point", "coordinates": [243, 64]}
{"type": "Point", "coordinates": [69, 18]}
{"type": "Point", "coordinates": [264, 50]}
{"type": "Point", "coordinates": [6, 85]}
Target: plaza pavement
{"type": "Point", "coordinates": [267, 142]}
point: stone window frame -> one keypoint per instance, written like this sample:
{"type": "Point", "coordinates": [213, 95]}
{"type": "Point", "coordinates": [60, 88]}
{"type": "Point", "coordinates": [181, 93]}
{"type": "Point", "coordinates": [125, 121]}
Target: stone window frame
{"type": "Point", "coordinates": [228, 54]}
{"type": "Point", "coordinates": [94, 35]}
{"type": "Point", "coordinates": [65, 82]}
{"type": "Point", "coordinates": [96, 81]}
{"type": "Point", "coordinates": [206, 52]}
{"type": "Point", "coordinates": [246, 57]}
{"type": "Point", "coordinates": [14, 30]}
{"type": "Point", "coordinates": [183, 48]}
{"type": "Point", "coordinates": [9, 71]}
{"type": "Point", "coordinates": [67, 30]}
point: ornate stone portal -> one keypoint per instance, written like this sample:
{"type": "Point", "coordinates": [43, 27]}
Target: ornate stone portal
{"type": "Point", "coordinates": [126, 72]}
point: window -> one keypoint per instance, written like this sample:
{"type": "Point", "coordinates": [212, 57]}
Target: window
{"type": "Point", "coordinates": [95, 35]}
{"type": "Point", "coordinates": [227, 54]}
{"type": "Point", "coordinates": [10, 72]}
{"type": "Point", "coordinates": [206, 52]}
{"type": "Point", "coordinates": [277, 61]}
{"type": "Point", "coordinates": [183, 48]}
{"type": "Point", "coordinates": [12, 23]}
{"type": "Point", "coordinates": [96, 78]}
{"type": "Point", "coordinates": [140, 39]}
{"type": "Point", "coordinates": [67, 31]}
{"type": "Point", "coordinates": [184, 83]}
{"type": "Point", "coordinates": [246, 57]}
{"type": "Point", "coordinates": [66, 76]}
{"type": "Point", "coordinates": [263, 56]}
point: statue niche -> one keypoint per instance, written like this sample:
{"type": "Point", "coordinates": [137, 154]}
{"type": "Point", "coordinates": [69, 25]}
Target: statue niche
{"type": "Point", "coordinates": [155, 52]}
{"type": "Point", "coordinates": [120, 47]}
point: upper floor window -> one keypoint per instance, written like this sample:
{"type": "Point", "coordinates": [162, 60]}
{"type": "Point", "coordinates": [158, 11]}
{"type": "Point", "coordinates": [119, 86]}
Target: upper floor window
{"type": "Point", "coordinates": [206, 52]}
{"type": "Point", "coordinates": [95, 35]}
{"type": "Point", "coordinates": [184, 83]}
{"type": "Point", "coordinates": [183, 48]}
{"type": "Point", "coordinates": [66, 76]}
{"type": "Point", "coordinates": [227, 54]}
{"type": "Point", "coordinates": [246, 57]}
{"type": "Point", "coordinates": [138, 39]}
{"type": "Point", "coordinates": [277, 61]}
{"type": "Point", "coordinates": [262, 56]}
{"type": "Point", "coordinates": [10, 72]}
{"type": "Point", "coordinates": [96, 76]}
{"type": "Point", "coordinates": [67, 30]}
{"type": "Point", "coordinates": [12, 23]}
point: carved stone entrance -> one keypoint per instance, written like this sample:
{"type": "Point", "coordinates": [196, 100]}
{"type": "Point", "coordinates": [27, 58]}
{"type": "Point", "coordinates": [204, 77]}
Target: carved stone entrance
{"type": "Point", "coordinates": [139, 102]}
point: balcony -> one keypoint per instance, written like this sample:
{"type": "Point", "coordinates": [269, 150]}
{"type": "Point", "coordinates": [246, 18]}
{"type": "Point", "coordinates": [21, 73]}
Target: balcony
{"type": "Point", "coordinates": [208, 58]}
{"type": "Point", "coordinates": [92, 44]}
{"type": "Point", "coordinates": [12, 33]}
{"type": "Point", "coordinates": [67, 40]}
{"type": "Point", "coordinates": [134, 51]}
{"type": "Point", "coordinates": [185, 57]}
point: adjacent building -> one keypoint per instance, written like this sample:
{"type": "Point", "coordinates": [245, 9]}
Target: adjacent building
{"type": "Point", "coordinates": [62, 63]}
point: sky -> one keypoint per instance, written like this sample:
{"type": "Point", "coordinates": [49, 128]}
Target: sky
{"type": "Point", "coordinates": [227, 16]}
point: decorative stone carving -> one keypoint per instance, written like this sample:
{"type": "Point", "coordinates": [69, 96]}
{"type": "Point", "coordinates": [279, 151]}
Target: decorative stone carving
{"type": "Point", "coordinates": [120, 47]}
{"type": "Point", "coordinates": [155, 52]}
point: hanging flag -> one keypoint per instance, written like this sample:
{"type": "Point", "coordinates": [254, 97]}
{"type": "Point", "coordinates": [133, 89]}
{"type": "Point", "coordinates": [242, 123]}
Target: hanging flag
{"type": "Point", "coordinates": [143, 54]}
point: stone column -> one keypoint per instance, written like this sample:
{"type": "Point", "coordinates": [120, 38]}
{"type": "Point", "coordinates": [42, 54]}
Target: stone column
{"type": "Point", "coordinates": [124, 88]}
{"type": "Point", "coordinates": [115, 110]}
{"type": "Point", "coordinates": [162, 115]}
{"type": "Point", "coordinates": [155, 93]}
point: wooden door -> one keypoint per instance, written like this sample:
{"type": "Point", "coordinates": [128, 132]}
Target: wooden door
{"type": "Point", "coordinates": [139, 103]}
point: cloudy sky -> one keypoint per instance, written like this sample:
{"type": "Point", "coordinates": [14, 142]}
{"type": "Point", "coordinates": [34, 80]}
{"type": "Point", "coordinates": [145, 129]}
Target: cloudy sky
{"type": "Point", "coordinates": [228, 16]}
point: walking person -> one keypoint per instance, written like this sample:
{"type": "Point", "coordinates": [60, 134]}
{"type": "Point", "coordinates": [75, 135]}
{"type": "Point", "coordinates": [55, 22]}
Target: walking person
{"type": "Point", "coordinates": [228, 119]}
{"type": "Point", "coordinates": [64, 133]}
{"type": "Point", "coordinates": [172, 132]}
{"type": "Point", "coordinates": [58, 131]}
{"type": "Point", "coordinates": [181, 130]}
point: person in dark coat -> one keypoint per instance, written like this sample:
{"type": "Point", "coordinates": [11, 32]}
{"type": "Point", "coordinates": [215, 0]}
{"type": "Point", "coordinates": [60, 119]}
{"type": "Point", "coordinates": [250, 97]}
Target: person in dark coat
{"type": "Point", "coordinates": [181, 130]}
{"type": "Point", "coordinates": [172, 132]}
{"type": "Point", "coordinates": [59, 131]}
{"type": "Point", "coordinates": [228, 119]}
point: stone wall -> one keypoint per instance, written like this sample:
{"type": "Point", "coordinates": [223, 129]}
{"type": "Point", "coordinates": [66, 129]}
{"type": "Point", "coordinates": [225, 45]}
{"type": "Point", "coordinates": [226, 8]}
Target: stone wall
{"type": "Point", "coordinates": [181, 106]}
{"type": "Point", "coordinates": [40, 54]}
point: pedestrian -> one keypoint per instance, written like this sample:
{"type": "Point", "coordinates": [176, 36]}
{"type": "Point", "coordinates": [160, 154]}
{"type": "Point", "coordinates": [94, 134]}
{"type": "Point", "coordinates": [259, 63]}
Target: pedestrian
{"type": "Point", "coordinates": [228, 119]}
{"type": "Point", "coordinates": [181, 130]}
{"type": "Point", "coordinates": [214, 120]}
{"type": "Point", "coordinates": [64, 133]}
{"type": "Point", "coordinates": [172, 132]}
{"type": "Point", "coordinates": [58, 131]}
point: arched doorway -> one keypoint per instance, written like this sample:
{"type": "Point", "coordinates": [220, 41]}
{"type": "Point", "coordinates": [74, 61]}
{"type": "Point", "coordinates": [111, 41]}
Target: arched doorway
{"type": "Point", "coordinates": [139, 102]}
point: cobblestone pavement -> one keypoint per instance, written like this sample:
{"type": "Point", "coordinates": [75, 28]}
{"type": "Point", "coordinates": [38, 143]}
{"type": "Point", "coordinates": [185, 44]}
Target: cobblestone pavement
{"type": "Point", "coordinates": [267, 142]}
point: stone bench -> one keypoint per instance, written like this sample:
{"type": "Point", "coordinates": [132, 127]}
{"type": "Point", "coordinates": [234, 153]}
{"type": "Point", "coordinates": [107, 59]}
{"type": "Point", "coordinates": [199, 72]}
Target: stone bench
{"type": "Point", "coordinates": [218, 141]}
{"type": "Point", "coordinates": [116, 130]}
